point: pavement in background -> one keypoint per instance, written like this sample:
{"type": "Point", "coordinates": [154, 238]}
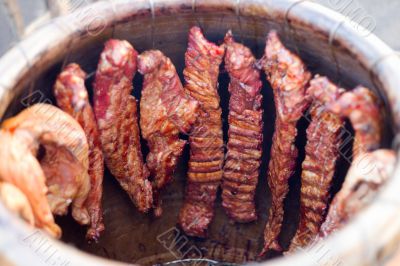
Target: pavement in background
{"type": "Point", "coordinates": [382, 16]}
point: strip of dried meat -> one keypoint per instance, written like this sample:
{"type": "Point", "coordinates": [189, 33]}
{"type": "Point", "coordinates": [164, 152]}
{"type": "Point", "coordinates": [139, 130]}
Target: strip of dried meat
{"type": "Point", "coordinates": [21, 137]}
{"type": "Point", "coordinates": [369, 170]}
{"type": "Point", "coordinates": [202, 60]}
{"type": "Point", "coordinates": [243, 157]}
{"type": "Point", "coordinates": [318, 169]}
{"type": "Point", "coordinates": [116, 112]}
{"type": "Point", "coordinates": [72, 97]}
{"type": "Point", "coordinates": [165, 111]}
{"type": "Point", "coordinates": [365, 177]}
{"type": "Point", "coordinates": [289, 79]}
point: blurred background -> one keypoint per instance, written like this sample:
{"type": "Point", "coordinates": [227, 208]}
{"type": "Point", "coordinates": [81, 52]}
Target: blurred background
{"type": "Point", "coordinates": [18, 18]}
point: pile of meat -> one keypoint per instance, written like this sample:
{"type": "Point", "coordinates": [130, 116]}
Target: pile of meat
{"type": "Point", "coordinates": [52, 157]}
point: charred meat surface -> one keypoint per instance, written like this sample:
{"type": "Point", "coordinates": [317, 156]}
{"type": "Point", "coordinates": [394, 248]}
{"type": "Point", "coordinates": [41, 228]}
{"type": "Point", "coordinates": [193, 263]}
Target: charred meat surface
{"type": "Point", "coordinates": [362, 108]}
{"type": "Point", "coordinates": [72, 97]}
{"type": "Point", "coordinates": [289, 78]}
{"type": "Point", "coordinates": [324, 139]}
{"type": "Point", "coordinates": [202, 60]}
{"type": "Point", "coordinates": [165, 111]}
{"type": "Point", "coordinates": [245, 134]}
{"type": "Point", "coordinates": [367, 174]}
{"type": "Point", "coordinates": [369, 170]}
{"type": "Point", "coordinates": [116, 113]}
{"type": "Point", "coordinates": [21, 137]}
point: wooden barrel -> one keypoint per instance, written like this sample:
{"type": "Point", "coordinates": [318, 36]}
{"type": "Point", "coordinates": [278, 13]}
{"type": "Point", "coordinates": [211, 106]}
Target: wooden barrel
{"type": "Point", "coordinates": [325, 40]}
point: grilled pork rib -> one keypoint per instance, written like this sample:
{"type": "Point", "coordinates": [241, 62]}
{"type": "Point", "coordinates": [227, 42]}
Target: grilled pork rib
{"type": "Point", "coordinates": [165, 111]}
{"type": "Point", "coordinates": [369, 170]}
{"type": "Point", "coordinates": [21, 137]}
{"type": "Point", "coordinates": [318, 169]}
{"type": "Point", "coordinates": [243, 157]}
{"type": "Point", "coordinates": [117, 118]}
{"type": "Point", "coordinates": [366, 175]}
{"type": "Point", "coordinates": [202, 60]}
{"type": "Point", "coordinates": [289, 78]}
{"type": "Point", "coordinates": [72, 97]}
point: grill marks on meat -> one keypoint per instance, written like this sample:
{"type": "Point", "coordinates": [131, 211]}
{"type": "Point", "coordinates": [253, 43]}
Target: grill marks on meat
{"type": "Point", "coordinates": [366, 175]}
{"type": "Point", "coordinates": [289, 78]}
{"type": "Point", "coordinates": [40, 188]}
{"type": "Point", "coordinates": [72, 97]}
{"type": "Point", "coordinates": [116, 113]}
{"type": "Point", "coordinates": [318, 169]}
{"type": "Point", "coordinates": [243, 157]}
{"type": "Point", "coordinates": [369, 170]}
{"type": "Point", "coordinates": [165, 111]}
{"type": "Point", "coordinates": [361, 107]}
{"type": "Point", "coordinates": [20, 139]}
{"type": "Point", "coordinates": [202, 61]}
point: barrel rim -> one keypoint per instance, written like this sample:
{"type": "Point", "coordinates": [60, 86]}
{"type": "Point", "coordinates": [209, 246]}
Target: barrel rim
{"type": "Point", "coordinates": [372, 53]}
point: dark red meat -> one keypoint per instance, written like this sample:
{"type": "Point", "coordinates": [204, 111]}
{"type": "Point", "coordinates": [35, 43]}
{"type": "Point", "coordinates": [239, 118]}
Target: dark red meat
{"type": "Point", "coordinates": [361, 107]}
{"type": "Point", "coordinates": [117, 118]}
{"type": "Point", "coordinates": [318, 169]}
{"type": "Point", "coordinates": [202, 61]}
{"type": "Point", "coordinates": [369, 170]}
{"type": "Point", "coordinates": [289, 78]}
{"type": "Point", "coordinates": [165, 111]}
{"type": "Point", "coordinates": [72, 97]}
{"type": "Point", "coordinates": [243, 157]}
